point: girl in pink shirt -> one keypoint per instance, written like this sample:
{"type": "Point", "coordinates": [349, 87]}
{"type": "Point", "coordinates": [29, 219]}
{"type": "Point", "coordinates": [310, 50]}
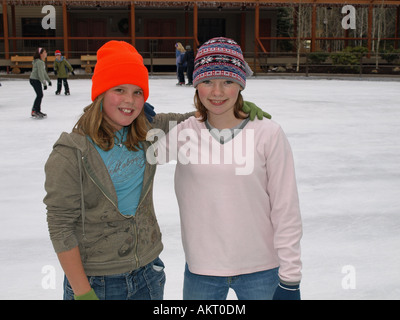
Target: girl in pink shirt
{"type": "Point", "coordinates": [236, 189]}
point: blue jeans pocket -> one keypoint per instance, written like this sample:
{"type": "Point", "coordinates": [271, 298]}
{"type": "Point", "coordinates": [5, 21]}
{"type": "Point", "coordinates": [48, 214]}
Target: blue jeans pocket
{"type": "Point", "coordinates": [157, 277]}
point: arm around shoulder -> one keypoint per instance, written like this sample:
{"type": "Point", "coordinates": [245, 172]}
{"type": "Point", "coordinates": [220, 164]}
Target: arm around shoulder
{"type": "Point", "coordinates": [166, 121]}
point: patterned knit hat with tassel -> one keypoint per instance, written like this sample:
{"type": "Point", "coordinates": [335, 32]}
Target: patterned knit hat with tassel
{"type": "Point", "coordinates": [220, 58]}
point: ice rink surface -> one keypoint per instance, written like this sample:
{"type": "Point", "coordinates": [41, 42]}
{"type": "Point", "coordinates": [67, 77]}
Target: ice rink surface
{"type": "Point", "coordinates": [345, 136]}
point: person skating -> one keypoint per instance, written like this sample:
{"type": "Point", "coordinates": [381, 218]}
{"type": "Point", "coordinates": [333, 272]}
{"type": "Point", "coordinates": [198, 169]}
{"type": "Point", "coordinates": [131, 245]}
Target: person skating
{"type": "Point", "coordinates": [38, 78]}
{"type": "Point", "coordinates": [180, 65]}
{"type": "Point", "coordinates": [61, 69]}
{"type": "Point", "coordinates": [188, 58]}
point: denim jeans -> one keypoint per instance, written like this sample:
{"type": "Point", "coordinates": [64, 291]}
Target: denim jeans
{"type": "Point", "coordinates": [253, 286]}
{"type": "Point", "coordinates": [146, 283]}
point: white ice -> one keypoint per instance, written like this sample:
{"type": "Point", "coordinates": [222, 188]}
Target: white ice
{"type": "Point", "coordinates": [345, 136]}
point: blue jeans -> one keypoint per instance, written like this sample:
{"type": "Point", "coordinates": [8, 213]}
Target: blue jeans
{"type": "Point", "coordinates": [253, 286]}
{"type": "Point", "coordinates": [146, 283]}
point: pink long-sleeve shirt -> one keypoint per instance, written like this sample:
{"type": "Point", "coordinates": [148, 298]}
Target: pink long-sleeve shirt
{"type": "Point", "coordinates": [238, 201]}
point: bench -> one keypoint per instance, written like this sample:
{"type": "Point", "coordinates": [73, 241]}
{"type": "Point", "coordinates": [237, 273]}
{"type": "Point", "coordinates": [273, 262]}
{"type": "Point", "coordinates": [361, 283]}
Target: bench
{"type": "Point", "coordinates": [19, 62]}
{"type": "Point", "coordinates": [90, 62]}
{"type": "Point", "coordinates": [50, 61]}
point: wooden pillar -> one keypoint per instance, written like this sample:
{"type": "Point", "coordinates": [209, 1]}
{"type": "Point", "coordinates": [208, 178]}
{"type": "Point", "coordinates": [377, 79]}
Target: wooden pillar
{"type": "Point", "coordinates": [5, 28]}
{"type": "Point", "coordinates": [313, 27]}
{"type": "Point", "coordinates": [369, 35]}
{"type": "Point", "coordinates": [256, 29]}
{"type": "Point", "coordinates": [396, 43]}
{"type": "Point", "coordinates": [243, 31]}
{"type": "Point", "coordinates": [65, 30]}
{"type": "Point", "coordinates": [69, 28]}
{"type": "Point", "coordinates": [346, 35]}
{"type": "Point", "coordinates": [295, 24]}
{"type": "Point", "coordinates": [133, 24]}
{"type": "Point", "coordinates": [186, 27]}
{"type": "Point", "coordinates": [195, 30]}
{"type": "Point", "coordinates": [13, 28]}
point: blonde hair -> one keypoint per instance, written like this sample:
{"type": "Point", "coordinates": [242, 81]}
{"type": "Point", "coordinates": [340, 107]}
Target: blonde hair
{"type": "Point", "coordinates": [93, 124]}
{"type": "Point", "coordinates": [180, 47]}
{"type": "Point", "coordinates": [203, 110]}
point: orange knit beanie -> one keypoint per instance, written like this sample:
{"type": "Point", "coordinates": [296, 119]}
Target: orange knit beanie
{"type": "Point", "coordinates": [119, 63]}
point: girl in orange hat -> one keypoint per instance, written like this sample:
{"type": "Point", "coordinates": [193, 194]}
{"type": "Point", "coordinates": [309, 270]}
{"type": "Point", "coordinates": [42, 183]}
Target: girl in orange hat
{"type": "Point", "coordinates": [99, 187]}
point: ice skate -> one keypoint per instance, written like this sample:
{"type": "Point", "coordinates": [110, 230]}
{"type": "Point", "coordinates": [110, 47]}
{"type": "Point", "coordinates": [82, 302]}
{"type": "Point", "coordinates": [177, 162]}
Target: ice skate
{"type": "Point", "coordinates": [36, 115]}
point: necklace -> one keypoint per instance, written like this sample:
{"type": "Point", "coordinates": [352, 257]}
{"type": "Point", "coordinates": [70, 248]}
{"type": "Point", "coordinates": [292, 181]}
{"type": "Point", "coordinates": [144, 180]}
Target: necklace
{"type": "Point", "coordinates": [119, 137]}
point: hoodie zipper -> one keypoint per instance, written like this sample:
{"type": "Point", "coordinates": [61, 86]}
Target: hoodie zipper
{"type": "Point", "coordinates": [126, 217]}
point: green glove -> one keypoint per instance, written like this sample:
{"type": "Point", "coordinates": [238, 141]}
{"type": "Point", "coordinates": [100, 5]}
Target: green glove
{"type": "Point", "coordinates": [91, 295]}
{"type": "Point", "coordinates": [251, 109]}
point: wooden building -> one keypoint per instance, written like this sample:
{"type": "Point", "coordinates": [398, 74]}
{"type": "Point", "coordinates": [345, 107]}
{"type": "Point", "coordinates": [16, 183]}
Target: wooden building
{"type": "Point", "coordinates": [79, 27]}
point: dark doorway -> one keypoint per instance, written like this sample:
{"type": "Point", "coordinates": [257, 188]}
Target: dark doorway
{"type": "Point", "coordinates": [210, 28]}
{"type": "Point", "coordinates": [89, 28]}
{"type": "Point", "coordinates": [160, 28]}
{"type": "Point", "coordinates": [265, 31]}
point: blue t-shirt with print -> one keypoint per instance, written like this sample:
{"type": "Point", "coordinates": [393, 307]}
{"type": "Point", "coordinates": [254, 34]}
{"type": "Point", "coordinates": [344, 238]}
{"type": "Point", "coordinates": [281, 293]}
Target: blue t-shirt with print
{"type": "Point", "coordinates": [126, 169]}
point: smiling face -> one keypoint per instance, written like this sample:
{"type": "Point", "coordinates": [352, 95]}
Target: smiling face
{"type": "Point", "coordinates": [219, 97]}
{"type": "Point", "coordinates": [122, 104]}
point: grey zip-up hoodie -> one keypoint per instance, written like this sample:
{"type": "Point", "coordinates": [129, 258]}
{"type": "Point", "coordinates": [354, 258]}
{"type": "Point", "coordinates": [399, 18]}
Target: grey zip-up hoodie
{"type": "Point", "coordinates": [82, 208]}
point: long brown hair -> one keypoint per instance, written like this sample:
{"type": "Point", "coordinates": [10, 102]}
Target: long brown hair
{"type": "Point", "coordinates": [203, 111]}
{"type": "Point", "coordinates": [93, 124]}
